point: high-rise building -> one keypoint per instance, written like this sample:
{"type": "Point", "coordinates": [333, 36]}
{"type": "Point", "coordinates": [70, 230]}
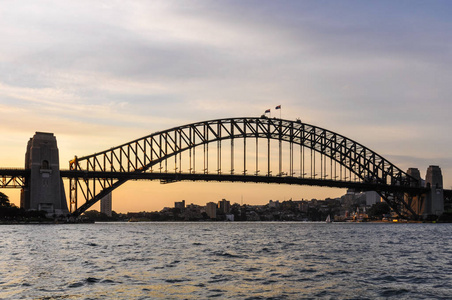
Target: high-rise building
{"type": "Point", "coordinates": [105, 205]}
{"type": "Point", "coordinates": [224, 206]}
{"type": "Point", "coordinates": [211, 210]}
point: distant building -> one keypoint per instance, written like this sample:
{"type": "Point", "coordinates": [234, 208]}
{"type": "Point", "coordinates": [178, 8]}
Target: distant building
{"type": "Point", "coordinates": [230, 217]}
{"type": "Point", "coordinates": [301, 205]}
{"type": "Point", "coordinates": [105, 205]}
{"type": "Point", "coordinates": [211, 210]}
{"type": "Point", "coordinates": [273, 204]}
{"type": "Point", "coordinates": [224, 206]}
{"type": "Point", "coordinates": [192, 212]}
{"type": "Point", "coordinates": [372, 198]}
{"type": "Point", "coordinates": [180, 205]}
{"type": "Point", "coordinates": [252, 216]}
{"type": "Point", "coordinates": [348, 199]}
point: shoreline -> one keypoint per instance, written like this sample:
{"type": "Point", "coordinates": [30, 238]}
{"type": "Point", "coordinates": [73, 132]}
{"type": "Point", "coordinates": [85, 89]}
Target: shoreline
{"type": "Point", "coordinates": [51, 222]}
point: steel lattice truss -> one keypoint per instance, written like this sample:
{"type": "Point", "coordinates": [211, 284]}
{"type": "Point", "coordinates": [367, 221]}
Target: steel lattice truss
{"type": "Point", "coordinates": [13, 178]}
{"type": "Point", "coordinates": [332, 160]}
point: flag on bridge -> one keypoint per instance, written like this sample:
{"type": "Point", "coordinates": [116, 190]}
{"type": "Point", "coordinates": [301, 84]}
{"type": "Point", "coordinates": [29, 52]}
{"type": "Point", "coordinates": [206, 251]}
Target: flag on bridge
{"type": "Point", "coordinates": [278, 107]}
{"type": "Point", "coordinates": [267, 111]}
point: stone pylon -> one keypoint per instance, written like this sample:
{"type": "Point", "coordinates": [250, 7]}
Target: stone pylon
{"type": "Point", "coordinates": [416, 202]}
{"type": "Point", "coordinates": [44, 190]}
{"type": "Point", "coordinates": [434, 202]}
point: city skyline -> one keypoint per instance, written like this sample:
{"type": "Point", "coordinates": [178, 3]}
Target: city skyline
{"type": "Point", "coordinates": [98, 75]}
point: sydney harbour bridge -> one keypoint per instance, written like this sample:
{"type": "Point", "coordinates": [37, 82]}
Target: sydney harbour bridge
{"type": "Point", "coordinates": [254, 149]}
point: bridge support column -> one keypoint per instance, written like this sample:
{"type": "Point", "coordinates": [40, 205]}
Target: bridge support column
{"type": "Point", "coordinates": [44, 189]}
{"type": "Point", "coordinates": [434, 202]}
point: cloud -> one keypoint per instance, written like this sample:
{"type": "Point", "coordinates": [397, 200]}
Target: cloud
{"type": "Point", "coordinates": [101, 73]}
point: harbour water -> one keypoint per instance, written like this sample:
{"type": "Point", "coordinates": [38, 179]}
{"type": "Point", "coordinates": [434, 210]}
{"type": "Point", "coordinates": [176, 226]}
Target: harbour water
{"type": "Point", "coordinates": [226, 261]}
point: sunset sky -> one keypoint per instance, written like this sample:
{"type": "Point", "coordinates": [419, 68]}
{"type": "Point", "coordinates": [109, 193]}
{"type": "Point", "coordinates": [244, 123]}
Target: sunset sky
{"type": "Point", "coordinates": [101, 73]}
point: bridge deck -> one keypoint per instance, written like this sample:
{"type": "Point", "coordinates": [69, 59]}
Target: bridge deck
{"type": "Point", "coordinates": [174, 177]}
{"type": "Point", "coordinates": [14, 175]}
{"type": "Point", "coordinates": [14, 172]}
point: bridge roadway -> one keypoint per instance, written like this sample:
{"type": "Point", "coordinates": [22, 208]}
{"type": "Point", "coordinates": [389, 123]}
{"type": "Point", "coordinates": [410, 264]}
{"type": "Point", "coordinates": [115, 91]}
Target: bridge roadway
{"type": "Point", "coordinates": [174, 177]}
{"type": "Point", "coordinates": [14, 172]}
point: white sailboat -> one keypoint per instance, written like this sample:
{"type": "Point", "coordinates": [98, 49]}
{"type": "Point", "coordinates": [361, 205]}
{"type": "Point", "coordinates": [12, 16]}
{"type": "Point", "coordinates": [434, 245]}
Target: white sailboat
{"type": "Point", "coordinates": [328, 219]}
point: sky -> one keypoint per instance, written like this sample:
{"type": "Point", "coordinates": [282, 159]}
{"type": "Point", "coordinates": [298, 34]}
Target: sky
{"type": "Point", "coordinates": [101, 73]}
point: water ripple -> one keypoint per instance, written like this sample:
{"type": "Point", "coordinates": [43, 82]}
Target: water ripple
{"type": "Point", "coordinates": [245, 261]}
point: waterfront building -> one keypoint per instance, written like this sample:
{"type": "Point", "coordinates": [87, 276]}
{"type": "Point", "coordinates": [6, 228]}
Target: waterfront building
{"type": "Point", "coordinates": [230, 217]}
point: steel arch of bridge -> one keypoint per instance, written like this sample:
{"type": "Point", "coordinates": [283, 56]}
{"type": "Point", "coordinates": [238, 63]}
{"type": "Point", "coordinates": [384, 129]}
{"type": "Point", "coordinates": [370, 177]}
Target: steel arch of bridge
{"type": "Point", "coordinates": [94, 176]}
